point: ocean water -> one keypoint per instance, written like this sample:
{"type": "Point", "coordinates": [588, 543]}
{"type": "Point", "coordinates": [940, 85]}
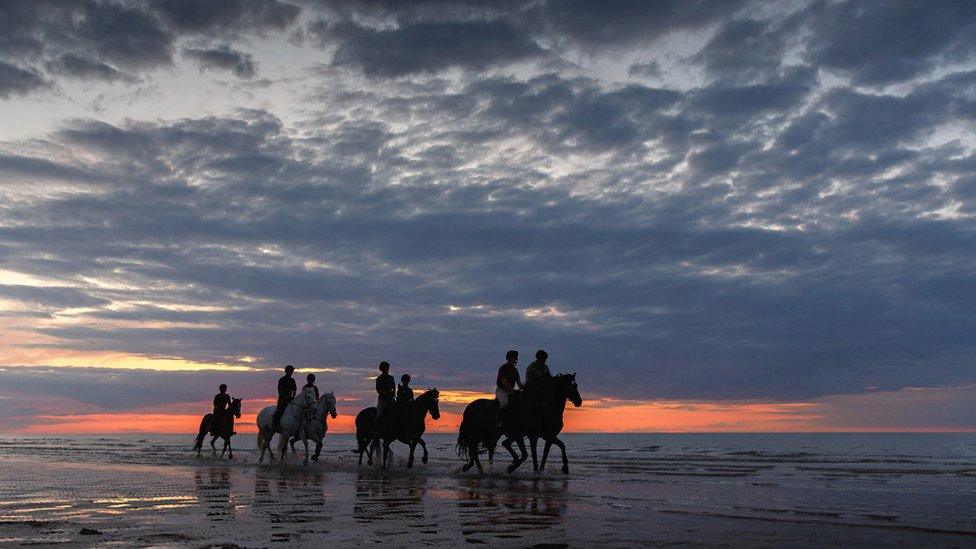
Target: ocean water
{"type": "Point", "coordinates": [622, 490]}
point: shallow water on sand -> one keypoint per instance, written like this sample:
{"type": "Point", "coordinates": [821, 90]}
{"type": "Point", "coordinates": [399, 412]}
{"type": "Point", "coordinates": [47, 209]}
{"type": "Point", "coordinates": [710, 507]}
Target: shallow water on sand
{"type": "Point", "coordinates": [622, 490]}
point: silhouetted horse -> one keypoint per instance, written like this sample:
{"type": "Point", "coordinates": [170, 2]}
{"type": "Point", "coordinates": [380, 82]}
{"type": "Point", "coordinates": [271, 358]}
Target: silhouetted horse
{"type": "Point", "coordinates": [478, 429]}
{"type": "Point", "coordinates": [225, 430]}
{"type": "Point", "coordinates": [538, 413]}
{"type": "Point", "coordinates": [405, 422]}
{"type": "Point", "coordinates": [365, 427]}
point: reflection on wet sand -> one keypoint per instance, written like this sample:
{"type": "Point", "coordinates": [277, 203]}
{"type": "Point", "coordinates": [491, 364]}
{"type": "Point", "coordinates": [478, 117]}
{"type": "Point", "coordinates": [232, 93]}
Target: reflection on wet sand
{"type": "Point", "coordinates": [213, 493]}
{"type": "Point", "coordinates": [510, 508]}
{"type": "Point", "coordinates": [291, 496]}
{"type": "Point", "coordinates": [397, 502]}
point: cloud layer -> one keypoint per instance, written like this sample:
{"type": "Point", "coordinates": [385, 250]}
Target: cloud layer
{"type": "Point", "coordinates": [778, 208]}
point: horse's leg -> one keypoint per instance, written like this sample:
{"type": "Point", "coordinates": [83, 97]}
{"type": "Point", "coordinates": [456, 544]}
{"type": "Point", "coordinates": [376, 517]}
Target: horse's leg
{"type": "Point", "coordinates": [533, 442]}
{"type": "Point", "coordinates": [386, 452]}
{"type": "Point", "coordinates": [545, 455]}
{"type": "Point", "coordinates": [473, 449]}
{"type": "Point", "coordinates": [472, 456]}
{"type": "Point", "coordinates": [305, 443]}
{"type": "Point", "coordinates": [423, 446]}
{"type": "Point", "coordinates": [521, 445]}
{"type": "Point", "coordinates": [294, 439]}
{"type": "Point", "coordinates": [224, 449]}
{"type": "Point", "coordinates": [282, 447]}
{"type": "Point", "coordinates": [230, 449]}
{"type": "Point", "coordinates": [562, 447]}
{"type": "Point", "coordinates": [507, 443]}
{"type": "Point", "coordinates": [413, 446]}
{"type": "Point", "coordinates": [213, 445]}
{"type": "Point", "coordinates": [318, 449]}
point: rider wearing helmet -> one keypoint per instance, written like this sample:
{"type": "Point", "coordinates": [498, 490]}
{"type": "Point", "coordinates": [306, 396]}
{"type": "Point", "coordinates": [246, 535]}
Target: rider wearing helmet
{"type": "Point", "coordinates": [538, 369]}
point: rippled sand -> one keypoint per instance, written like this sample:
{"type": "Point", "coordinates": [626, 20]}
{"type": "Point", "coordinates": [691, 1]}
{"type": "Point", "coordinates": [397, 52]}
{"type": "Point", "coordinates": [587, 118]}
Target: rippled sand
{"type": "Point", "coordinates": [155, 493]}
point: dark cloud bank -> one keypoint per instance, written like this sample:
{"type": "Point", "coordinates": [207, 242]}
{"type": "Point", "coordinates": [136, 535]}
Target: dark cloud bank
{"type": "Point", "coordinates": [790, 227]}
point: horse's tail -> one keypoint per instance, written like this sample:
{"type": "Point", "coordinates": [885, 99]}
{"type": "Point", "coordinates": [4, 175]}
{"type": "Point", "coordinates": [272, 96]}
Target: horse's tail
{"type": "Point", "coordinates": [466, 436]}
{"type": "Point", "coordinates": [204, 424]}
{"type": "Point", "coordinates": [261, 441]}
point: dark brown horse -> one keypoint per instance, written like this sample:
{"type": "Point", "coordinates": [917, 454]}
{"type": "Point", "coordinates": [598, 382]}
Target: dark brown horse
{"type": "Point", "coordinates": [404, 422]}
{"type": "Point", "coordinates": [225, 430]}
{"type": "Point", "coordinates": [538, 413]}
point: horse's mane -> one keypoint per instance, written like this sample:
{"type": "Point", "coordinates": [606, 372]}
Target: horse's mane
{"type": "Point", "coordinates": [429, 393]}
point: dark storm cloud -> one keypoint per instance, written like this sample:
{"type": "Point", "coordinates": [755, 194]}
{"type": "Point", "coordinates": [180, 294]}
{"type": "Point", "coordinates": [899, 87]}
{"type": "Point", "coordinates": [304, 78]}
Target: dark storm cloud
{"type": "Point", "coordinates": [16, 80]}
{"type": "Point", "coordinates": [51, 295]}
{"type": "Point", "coordinates": [120, 390]}
{"type": "Point", "coordinates": [75, 66]}
{"type": "Point", "coordinates": [105, 40]}
{"type": "Point", "coordinates": [223, 57]}
{"type": "Point", "coordinates": [201, 16]}
{"type": "Point", "coordinates": [426, 47]}
{"type": "Point", "coordinates": [878, 43]}
{"type": "Point", "coordinates": [743, 49]}
{"type": "Point", "coordinates": [592, 23]}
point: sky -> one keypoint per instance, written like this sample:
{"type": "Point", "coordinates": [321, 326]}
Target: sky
{"type": "Point", "coordinates": [723, 216]}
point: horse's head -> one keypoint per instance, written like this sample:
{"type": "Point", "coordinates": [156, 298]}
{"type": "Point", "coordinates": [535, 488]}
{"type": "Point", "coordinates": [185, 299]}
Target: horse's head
{"type": "Point", "coordinates": [429, 402]}
{"type": "Point", "coordinates": [566, 386]}
{"type": "Point", "coordinates": [306, 398]}
{"type": "Point", "coordinates": [328, 403]}
{"type": "Point", "coordinates": [235, 407]}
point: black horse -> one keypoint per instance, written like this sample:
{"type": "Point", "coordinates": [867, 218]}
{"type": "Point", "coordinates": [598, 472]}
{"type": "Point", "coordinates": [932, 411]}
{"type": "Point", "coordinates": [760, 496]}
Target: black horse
{"type": "Point", "coordinates": [538, 413]}
{"type": "Point", "coordinates": [479, 430]}
{"type": "Point", "coordinates": [404, 422]}
{"type": "Point", "coordinates": [225, 430]}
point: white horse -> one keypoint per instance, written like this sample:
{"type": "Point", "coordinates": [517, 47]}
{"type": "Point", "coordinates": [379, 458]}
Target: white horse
{"type": "Point", "coordinates": [292, 423]}
{"type": "Point", "coordinates": [316, 427]}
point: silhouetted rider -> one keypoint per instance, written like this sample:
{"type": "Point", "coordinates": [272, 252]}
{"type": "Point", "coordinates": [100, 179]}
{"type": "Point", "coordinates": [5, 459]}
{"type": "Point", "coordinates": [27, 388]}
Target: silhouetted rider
{"type": "Point", "coordinates": [404, 393]}
{"type": "Point", "coordinates": [385, 391]}
{"type": "Point", "coordinates": [286, 392]}
{"type": "Point", "coordinates": [506, 382]}
{"type": "Point", "coordinates": [538, 369]}
{"type": "Point", "coordinates": [221, 402]}
{"type": "Point", "coordinates": [310, 378]}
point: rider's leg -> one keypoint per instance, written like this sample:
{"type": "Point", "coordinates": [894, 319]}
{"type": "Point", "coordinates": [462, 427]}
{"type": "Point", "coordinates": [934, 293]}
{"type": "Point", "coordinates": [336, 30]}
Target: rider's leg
{"type": "Point", "coordinates": [279, 411]}
{"type": "Point", "coordinates": [502, 396]}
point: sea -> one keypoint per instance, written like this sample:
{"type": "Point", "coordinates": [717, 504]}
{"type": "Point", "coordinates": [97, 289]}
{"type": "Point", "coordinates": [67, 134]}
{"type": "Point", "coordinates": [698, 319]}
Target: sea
{"type": "Point", "coordinates": [622, 490]}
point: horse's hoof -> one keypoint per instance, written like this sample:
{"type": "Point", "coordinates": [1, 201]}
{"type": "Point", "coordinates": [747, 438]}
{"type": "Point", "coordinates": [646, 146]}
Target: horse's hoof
{"type": "Point", "coordinates": [409, 465]}
{"type": "Point", "coordinates": [511, 468]}
{"type": "Point", "coordinates": [565, 469]}
{"type": "Point", "coordinates": [423, 460]}
{"type": "Point", "coordinates": [230, 457]}
{"type": "Point", "coordinates": [466, 468]}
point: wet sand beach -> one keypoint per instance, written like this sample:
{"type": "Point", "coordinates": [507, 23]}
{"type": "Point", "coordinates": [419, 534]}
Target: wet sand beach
{"type": "Point", "coordinates": [622, 491]}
